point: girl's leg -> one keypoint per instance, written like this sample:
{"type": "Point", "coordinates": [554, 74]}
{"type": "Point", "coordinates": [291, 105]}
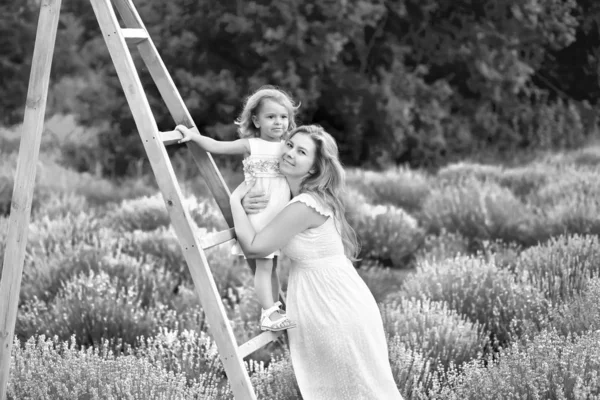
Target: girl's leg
{"type": "Point", "coordinates": [271, 317]}
{"type": "Point", "coordinates": [275, 286]}
{"type": "Point", "coordinates": [262, 285]}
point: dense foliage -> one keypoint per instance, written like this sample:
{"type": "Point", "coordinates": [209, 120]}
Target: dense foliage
{"type": "Point", "coordinates": [396, 81]}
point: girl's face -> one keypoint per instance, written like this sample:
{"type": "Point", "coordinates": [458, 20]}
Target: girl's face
{"type": "Point", "coordinates": [272, 120]}
{"type": "Point", "coordinates": [299, 156]}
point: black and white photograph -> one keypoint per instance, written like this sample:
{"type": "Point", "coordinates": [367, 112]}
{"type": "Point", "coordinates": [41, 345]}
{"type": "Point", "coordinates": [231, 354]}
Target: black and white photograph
{"type": "Point", "coordinates": [299, 200]}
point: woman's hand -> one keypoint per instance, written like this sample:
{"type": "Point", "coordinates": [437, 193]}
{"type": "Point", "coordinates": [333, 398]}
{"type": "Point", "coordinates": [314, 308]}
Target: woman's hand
{"type": "Point", "coordinates": [254, 202]}
{"type": "Point", "coordinates": [188, 134]}
{"type": "Point", "coordinates": [241, 191]}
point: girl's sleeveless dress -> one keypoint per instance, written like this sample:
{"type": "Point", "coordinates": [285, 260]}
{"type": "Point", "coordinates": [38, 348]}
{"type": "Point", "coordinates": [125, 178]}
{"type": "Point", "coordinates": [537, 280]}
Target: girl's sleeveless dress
{"type": "Point", "coordinates": [263, 165]}
{"type": "Point", "coordinates": [339, 349]}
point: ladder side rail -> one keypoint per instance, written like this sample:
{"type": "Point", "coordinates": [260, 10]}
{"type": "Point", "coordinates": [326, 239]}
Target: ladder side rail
{"type": "Point", "coordinates": [176, 106]}
{"type": "Point", "coordinates": [181, 220]}
{"type": "Point", "coordinates": [22, 197]}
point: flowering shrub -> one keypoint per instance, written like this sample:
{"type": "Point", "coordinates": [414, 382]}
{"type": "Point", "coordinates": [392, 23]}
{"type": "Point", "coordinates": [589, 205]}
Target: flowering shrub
{"type": "Point", "coordinates": [92, 307]}
{"type": "Point", "coordinates": [183, 352]}
{"type": "Point", "coordinates": [442, 246]}
{"type": "Point", "coordinates": [400, 187]}
{"type": "Point", "coordinates": [580, 314]}
{"type": "Point", "coordinates": [459, 172]}
{"type": "Point", "coordinates": [102, 192]}
{"type": "Point", "coordinates": [161, 249]}
{"type": "Point", "coordinates": [56, 177]}
{"type": "Point", "coordinates": [145, 214]}
{"type": "Point", "coordinates": [560, 267]}
{"type": "Point", "coordinates": [547, 367]}
{"type": "Point", "coordinates": [277, 382]}
{"type": "Point", "coordinates": [479, 211]}
{"type": "Point", "coordinates": [380, 280]}
{"type": "Point", "coordinates": [578, 214]}
{"type": "Point", "coordinates": [526, 180]}
{"type": "Point", "coordinates": [58, 205]}
{"type": "Point", "coordinates": [569, 200]}
{"type": "Point", "coordinates": [51, 236]}
{"type": "Point", "coordinates": [206, 214]}
{"type": "Point", "coordinates": [387, 234]}
{"type": "Point", "coordinates": [194, 354]}
{"type": "Point", "coordinates": [521, 181]}
{"type": "Point", "coordinates": [479, 290]}
{"type": "Point", "coordinates": [430, 327]}
{"type": "Point", "coordinates": [173, 365]}
{"type": "Point", "coordinates": [48, 369]}
{"type": "Point", "coordinates": [150, 213]}
{"type": "Point", "coordinates": [158, 247]}
{"type": "Point", "coordinates": [587, 156]}
{"type": "Point", "coordinates": [61, 248]}
{"type": "Point", "coordinates": [8, 165]}
{"type": "Point", "coordinates": [414, 374]}
{"type": "Point", "coordinates": [43, 276]}
{"type": "Point", "coordinates": [502, 254]}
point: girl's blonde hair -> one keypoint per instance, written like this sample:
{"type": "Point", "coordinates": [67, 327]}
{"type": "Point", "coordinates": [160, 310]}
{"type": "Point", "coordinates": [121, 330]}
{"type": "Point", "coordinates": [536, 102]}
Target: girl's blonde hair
{"type": "Point", "coordinates": [252, 107]}
{"type": "Point", "coordinates": [328, 181]}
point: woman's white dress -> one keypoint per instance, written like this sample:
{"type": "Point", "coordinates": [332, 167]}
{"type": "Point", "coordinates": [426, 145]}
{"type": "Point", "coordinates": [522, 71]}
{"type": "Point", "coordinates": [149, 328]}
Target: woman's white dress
{"type": "Point", "coordinates": [338, 349]}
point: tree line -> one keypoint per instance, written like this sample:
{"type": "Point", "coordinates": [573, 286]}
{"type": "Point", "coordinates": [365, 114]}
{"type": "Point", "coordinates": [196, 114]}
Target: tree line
{"type": "Point", "coordinates": [395, 81]}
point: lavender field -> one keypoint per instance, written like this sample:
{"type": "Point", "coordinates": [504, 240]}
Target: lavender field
{"type": "Point", "coordinates": [486, 277]}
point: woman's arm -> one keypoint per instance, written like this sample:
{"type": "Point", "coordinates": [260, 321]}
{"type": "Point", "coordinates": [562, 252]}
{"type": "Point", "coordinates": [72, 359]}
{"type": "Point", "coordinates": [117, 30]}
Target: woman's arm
{"type": "Point", "coordinates": [239, 146]}
{"type": "Point", "coordinates": [293, 219]}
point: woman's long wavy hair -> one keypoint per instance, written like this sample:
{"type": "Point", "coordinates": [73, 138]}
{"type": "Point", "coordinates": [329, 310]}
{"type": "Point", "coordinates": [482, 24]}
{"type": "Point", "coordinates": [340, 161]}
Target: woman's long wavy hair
{"type": "Point", "coordinates": [252, 107]}
{"type": "Point", "coordinates": [328, 182]}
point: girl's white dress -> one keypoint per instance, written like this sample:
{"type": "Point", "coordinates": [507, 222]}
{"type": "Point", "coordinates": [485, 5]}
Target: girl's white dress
{"type": "Point", "coordinates": [263, 165]}
{"type": "Point", "coordinates": [339, 349]}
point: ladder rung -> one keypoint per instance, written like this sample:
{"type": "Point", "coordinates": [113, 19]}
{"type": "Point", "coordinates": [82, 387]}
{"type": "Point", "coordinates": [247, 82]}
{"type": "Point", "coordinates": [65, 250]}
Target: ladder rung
{"type": "Point", "coordinates": [170, 137]}
{"type": "Point", "coordinates": [134, 36]}
{"type": "Point", "coordinates": [258, 342]}
{"type": "Point", "coordinates": [217, 238]}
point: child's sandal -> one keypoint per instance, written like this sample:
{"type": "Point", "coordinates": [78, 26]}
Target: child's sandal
{"type": "Point", "coordinates": [283, 323]}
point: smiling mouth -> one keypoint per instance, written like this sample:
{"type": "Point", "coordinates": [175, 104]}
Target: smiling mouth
{"type": "Point", "coordinates": [287, 162]}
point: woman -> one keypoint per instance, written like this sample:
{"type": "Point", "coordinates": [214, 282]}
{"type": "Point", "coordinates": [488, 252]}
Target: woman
{"type": "Point", "coordinates": [338, 348]}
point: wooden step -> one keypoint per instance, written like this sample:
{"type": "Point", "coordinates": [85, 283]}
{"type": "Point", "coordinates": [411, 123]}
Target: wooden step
{"type": "Point", "coordinates": [134, 36]}
{"type": "Point", "coordinates": [217, 238]}
{"type": "Point", "coordinates": [258, 342]}
{"type": "Point", "coordinates": [170, 137]}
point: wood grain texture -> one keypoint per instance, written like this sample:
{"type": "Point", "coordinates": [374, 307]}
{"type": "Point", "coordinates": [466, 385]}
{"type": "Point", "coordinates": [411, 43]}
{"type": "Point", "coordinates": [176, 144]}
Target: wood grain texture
{"type": "Point", "coordinates": [29, 149]}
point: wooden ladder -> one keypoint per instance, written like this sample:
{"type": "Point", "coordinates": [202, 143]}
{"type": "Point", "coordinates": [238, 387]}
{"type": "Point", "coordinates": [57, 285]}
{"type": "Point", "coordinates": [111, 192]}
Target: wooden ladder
{"type": "Point", "coordinates": [117, 40]}
{"type": "Point", "coordinates": [135, 33]}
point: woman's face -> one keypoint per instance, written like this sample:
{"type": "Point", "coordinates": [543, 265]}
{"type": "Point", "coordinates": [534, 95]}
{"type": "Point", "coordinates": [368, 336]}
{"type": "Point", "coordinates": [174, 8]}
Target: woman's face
{"type": "Point", "coordinates": [298, 157]}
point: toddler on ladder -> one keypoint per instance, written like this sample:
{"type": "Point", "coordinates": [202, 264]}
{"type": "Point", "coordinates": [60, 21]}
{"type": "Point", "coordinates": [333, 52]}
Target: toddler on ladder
{"type": "Point", "coordinates": [268, 116]}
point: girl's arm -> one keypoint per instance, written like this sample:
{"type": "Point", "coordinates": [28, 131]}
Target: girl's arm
{"type": "Point", "coordinates": [293, 219]}
{"type": "Point", "coordinates": [239, 146]}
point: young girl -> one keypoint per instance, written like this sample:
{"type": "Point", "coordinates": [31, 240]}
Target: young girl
{"type": "Point", "coordinates": [267, 118]}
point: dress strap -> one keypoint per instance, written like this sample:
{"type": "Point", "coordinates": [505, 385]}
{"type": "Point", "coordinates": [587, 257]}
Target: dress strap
{"type": "Point", "coordinates": [254, 145]}
{"type": "Point", "coordinates": [313, 203]}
